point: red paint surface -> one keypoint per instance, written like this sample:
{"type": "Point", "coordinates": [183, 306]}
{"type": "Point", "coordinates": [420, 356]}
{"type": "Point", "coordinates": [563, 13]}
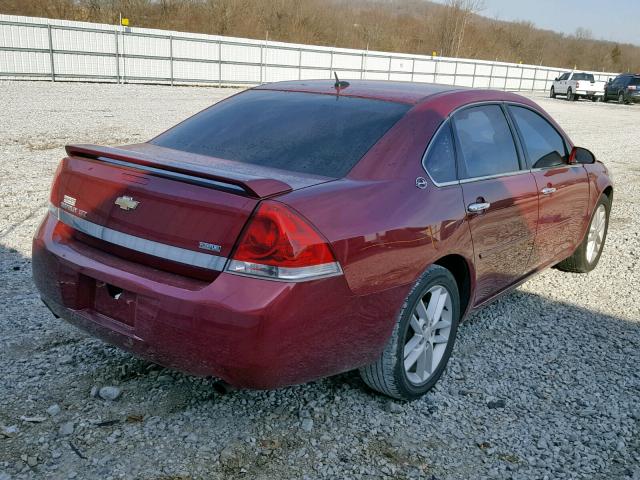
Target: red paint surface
{"type": "Point", "coordinates": [383, 231]}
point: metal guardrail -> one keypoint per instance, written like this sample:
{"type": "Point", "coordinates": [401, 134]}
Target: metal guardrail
{"type": "Point", "coordinates": [540, 73]}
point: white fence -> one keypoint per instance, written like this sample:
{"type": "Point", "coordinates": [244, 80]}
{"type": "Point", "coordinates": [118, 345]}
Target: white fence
{"type": "Point", "coordinates": [40, 48]}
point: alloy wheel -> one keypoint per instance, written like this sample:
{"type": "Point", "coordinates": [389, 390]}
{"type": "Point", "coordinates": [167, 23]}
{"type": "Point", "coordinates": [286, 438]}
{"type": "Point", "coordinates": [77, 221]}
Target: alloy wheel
{"type": "Point", "coordinates": [596, 233]}
{"type": "Point", "coordinates": [428, 335]}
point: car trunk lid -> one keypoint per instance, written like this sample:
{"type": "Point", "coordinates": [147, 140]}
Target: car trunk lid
{"type": "Point", "coordinates": [165, 208]}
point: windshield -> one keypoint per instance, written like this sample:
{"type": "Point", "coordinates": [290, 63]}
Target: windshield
{"type": "Point", "coordinates": [303, 132]}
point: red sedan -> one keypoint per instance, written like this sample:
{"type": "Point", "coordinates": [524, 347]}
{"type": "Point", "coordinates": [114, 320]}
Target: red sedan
{"type": "Point", "coordinates": [302, 229]}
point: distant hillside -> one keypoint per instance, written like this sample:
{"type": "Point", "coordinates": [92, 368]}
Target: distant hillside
{"type": "Point", "coordinates": [410, 26]}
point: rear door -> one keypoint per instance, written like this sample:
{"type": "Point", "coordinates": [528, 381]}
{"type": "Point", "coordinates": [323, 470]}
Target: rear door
{"type": "Point", "coordinates": [500, 196]}
{"type": "Point", "coordinates": [563, 189]}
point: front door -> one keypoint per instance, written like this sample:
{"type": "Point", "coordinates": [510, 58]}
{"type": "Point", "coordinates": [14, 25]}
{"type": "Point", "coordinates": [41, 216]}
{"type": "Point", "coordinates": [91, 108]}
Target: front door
{"type": "Point", "coordinates": [563, 189]}
{"type": "Point", "coordinates": [562, 84]}
{"type": "Point", "coordinates": [500, 197]}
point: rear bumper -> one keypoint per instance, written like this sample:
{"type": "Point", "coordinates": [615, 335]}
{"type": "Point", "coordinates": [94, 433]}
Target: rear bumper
{"type": "Point", "coordinates": [250, 332]}
{"type": "Point", "coordinates": [589, 93]}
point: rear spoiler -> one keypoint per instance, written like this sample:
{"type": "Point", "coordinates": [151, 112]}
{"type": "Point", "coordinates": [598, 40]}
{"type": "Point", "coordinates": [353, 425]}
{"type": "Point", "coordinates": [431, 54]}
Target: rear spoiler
{"type": "Point", "coordinates": [195, 174]}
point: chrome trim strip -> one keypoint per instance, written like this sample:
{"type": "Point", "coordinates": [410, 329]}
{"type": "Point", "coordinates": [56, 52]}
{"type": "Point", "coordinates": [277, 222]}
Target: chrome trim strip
{"type": "Point", "coordinates": [540, 169]}
{"type": "Point", "coordinates": [498, 175]}
{"type": "Point", "coordinates": [149, 247]}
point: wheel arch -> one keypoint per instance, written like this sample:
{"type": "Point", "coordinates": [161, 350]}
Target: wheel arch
{"type": "Point", "coordinates": [462, 271]}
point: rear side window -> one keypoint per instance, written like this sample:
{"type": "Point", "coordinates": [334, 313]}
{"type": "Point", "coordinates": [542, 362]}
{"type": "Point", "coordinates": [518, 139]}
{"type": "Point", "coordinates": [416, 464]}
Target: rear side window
{"type": "Point", "coordinates": [311, 133]}
{"type": "Point", "coordinates": [543, 144]}
{"type": "Point", "coordinates": [584, 76]}
{"type": "Point", "coordinates": [440, 161]}
{"type": "Point", "coordinates": [486, 143]}
{"type": "Point", "coordinates": [635, 81]}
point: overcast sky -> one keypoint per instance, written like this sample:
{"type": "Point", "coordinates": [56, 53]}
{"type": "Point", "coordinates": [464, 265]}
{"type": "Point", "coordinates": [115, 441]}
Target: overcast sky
{"type": "Point", "coordinates": [616, 20]}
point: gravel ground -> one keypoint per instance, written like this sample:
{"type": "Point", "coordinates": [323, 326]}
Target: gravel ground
{"type": "Point", "coordinates": [543, 384]}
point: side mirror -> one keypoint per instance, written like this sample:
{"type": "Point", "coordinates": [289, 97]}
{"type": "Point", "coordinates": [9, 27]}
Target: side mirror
{"type": "Point", "coordinates": [581, 155]}
{"type": "Point", "coordinates": [610, 80]}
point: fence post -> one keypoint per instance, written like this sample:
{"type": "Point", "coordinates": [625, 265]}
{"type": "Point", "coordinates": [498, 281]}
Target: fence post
{"type": "Point", "coordinates": [491, 75]}
{"type": "Point", "coordinates": [124, 56]}
{"type": "Point", "coordinates": [521, 75]}
{"type": "Point", "coordinates": [300, 64]}
{"type": "Point", "coordinates": [53, 70]}
{"type": "Point", "coordinates": [220, 63]}
{"type": "Point", "coordinates": [455, 73]}
{"type": "Point", "coordinates": [435, 70]}
{"type": "Point", "coordinates": [413, 67]}
{"type": "Point", "coordinates": [261, 63]}
{"type": "Point", "coordinates": [535, 75]}
{"type": "Point", "coordinates": [331, 63]}
{"type": "Point", "coordinates": [473, 79]}
{"type": "Point", "coordinates": [546, 81]}
{"type": "Point", "coordinates": [171, 57]}
{"type": "Point", "coordinates": [506, 76]}
{"type": "Point", "coordinates": [362, 65]}
{"type": "Point", "coordinates": [115, 35]}
{"type": "Point", "coordinates": [389, 73]}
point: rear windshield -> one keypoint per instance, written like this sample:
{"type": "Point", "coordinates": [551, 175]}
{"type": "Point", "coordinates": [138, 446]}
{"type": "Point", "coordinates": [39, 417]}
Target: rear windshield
{"type": "Point", "coordinates": [634, 81]}
{"type": "Point", "coordinates": [583, 76]}
{"type": "Point", "coordinates": [311, 133]}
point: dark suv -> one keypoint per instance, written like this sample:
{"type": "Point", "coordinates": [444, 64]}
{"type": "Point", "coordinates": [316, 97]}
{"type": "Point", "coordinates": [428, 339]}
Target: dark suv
{"type": "Point", "coordinates": [625, 87]}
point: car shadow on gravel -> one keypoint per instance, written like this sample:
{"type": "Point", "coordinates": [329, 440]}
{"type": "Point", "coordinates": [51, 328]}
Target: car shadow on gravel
{"type": "Point", "coordinates": [530, 378]}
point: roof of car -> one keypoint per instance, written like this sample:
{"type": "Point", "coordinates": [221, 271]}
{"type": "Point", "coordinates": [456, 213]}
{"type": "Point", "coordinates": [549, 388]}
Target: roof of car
{"type": "Point", "coordinates": [402, 92]}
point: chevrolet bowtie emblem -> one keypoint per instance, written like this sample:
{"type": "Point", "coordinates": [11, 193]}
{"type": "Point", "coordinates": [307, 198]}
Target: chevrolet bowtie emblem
{"type": "Point", "coordinates": [126, 203]}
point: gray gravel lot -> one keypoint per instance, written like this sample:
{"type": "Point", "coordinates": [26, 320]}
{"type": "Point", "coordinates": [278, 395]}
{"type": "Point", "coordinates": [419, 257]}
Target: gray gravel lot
{"type": "Point", "coordinates": [543, 384]}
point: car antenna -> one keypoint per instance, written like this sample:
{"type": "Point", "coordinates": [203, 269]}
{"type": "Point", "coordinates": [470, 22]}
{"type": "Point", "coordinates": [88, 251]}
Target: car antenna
{"type": "Point", "coordinates": [339, 83]}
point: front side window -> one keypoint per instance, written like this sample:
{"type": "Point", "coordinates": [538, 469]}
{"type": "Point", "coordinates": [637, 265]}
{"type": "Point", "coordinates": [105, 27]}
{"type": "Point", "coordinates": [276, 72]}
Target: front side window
{"type": "Point", "coordinates": [440, 161]}
{"type": "Point", "coordinates": [564, 76]}
{"type": "Point", "coordinates": [543, 144]}
{"type": "Point", "coordinates": [486, 143]}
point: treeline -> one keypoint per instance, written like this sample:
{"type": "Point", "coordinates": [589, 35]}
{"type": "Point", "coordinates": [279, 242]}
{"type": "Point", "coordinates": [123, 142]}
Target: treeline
{"type": "Point", "coordinates": [409, 26]}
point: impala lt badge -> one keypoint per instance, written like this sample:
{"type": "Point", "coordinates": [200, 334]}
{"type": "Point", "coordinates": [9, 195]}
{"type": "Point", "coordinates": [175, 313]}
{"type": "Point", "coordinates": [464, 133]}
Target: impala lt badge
{"type": "Point", "coordinates": [212, 247]}
{"type": "Point", "coordinates": [126, 203]}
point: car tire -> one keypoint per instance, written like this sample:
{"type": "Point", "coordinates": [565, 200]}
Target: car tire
{"type": "Point", "coordinates": [552, 93]}
{"type": "Point", "coordinates": [586, 256]}
{"type": "Point", "coordinates": [570, 96]}
{"type": "Point", "coordinates": [604, 98]}
{"type": "Point", "coordinates": [621, 98]}
{"type": "Point", "coordinates": [429, 342]}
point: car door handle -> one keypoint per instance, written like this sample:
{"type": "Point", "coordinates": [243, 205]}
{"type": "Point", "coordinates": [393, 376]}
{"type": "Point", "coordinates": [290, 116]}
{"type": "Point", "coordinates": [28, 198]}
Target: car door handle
{"type": "Point", "coordinates": [478, 207]}
{"type": "Point", "coordinates": [548, 190]}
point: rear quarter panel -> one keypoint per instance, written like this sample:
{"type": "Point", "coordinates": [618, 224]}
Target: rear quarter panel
{"type": "Point", "coordinates": [599, 180]}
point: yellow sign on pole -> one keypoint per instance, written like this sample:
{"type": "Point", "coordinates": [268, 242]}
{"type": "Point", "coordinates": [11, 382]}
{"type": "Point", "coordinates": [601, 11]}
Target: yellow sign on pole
{"type": "Point", "coordinates": [124, 22]}
{"type": "Point", "coordinates": [434, 54]}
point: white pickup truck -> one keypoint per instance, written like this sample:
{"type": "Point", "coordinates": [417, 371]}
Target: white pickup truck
{"type": "Point", "coordinates": [577, 85]}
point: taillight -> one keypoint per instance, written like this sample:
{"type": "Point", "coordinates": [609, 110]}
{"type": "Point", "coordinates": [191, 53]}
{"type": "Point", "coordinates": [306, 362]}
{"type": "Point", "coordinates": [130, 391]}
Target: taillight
{"type": "Point", "coordinates": [577, 85]}
{"type": "Point", "coordinates": [632, 87]}
{"type": "Point", "coordinates": [54, 196]}
{"type": "Point", "coordinates": [280, 244]}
